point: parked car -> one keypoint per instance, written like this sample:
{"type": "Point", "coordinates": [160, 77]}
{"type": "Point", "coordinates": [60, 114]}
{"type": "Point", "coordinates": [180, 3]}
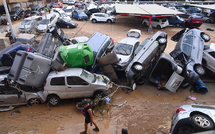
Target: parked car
{"type": "Point", "coordinates": [65, 23]}
{"type": "Point", "coordinates": [72, 2]}
{"type": "Point", "coordinates": [92, 8]}
{"type": "Point", "coordinates": [16, 13]}
{"type": "Point", "coordinates": [193, 22]}
{"type": "Point", "coordinates": [175, 21]}
{"type": "Point", "coordinates": [48, 20]}
{"type": "Point", "coordinates": [186, 14]}
{"type": "Point", "coordinates": [181, 9]}
{"type": "Point", "coordinates": [68, 10]}
{"type": "Point", "coordinates": [146, 56]}
{"type": "Point", "coordinates": [74, 83]}
{"type": "Point", "coordinates": [102, 17]}
{"type": "Point", "coordinates": [100, 44]}
{"type": "Point", "coordinates": [3, 19]}
{"type": "Point", "coordinates": [191, 44]}
{"type": "Point", "coordinates": [13, 96]}
{"type": "Point", "coordinates": [156, 22]}
{"type": "Point", "coordinates": [29, 24]}
{"type": "Point", "coordinates": [209, 57]}
{"type": "Point", "coordinates": [80, 39]}
{"type": "Point", "coordinates": [125, 49]}
{"type": "Point", "coordinates": [203, 16]}
{"type": "Point", "coordinates": [79, 15]}
{"type": "Point", "coordinates": [192, 119]}
{"type": "Point", "coordinates": [57, 5]}
{"type": "Point", "coordinates": [61, 13]}
{"type": "Point", "coordinates": [194, 9]}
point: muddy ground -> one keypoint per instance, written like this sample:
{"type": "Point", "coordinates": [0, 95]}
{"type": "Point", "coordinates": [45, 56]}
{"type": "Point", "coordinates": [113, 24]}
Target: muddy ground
{"type": "Point", "coordinates": [147, 111]}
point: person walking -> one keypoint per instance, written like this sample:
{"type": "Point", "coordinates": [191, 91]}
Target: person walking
{"type": "Point", "coordinates": [88, 117]}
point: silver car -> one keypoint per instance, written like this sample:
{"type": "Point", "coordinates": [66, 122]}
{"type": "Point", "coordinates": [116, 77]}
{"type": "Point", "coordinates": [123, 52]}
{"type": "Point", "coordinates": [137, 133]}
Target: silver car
{"type": "Point", "coordinates": [193, 118]}
{"type": "Point", "coordinates": [13, 96]}
{"type": "Point", "coordinates": [29, 24]}
{"type": "Point", "coordinates": [209, 57]}
{"type": "Point", "coordinates": [75, 83]}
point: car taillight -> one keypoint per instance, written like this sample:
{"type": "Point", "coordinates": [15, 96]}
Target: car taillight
{"type": "Point", "coordinates": [162, 23]}
{"type": "Point", "coordinates": [112, 40]}
{"type": "Point", "coordinates": [179, 110]}
{"type": "Point", "coordinates": [28, 50]}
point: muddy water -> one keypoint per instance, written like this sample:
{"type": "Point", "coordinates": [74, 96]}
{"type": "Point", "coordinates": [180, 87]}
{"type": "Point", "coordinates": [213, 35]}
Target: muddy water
{"type": "Point", "coordinates": [147, 111]}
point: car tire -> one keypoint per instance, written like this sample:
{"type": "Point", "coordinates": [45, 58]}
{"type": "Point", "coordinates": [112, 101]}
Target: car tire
{"type": "Point", "coordinates": [94, 20]}
{"type": "Point", "coordinates": [144, 24]}
{"type": "Point", "coordinates": [53, 100]}
{"type": "Point", "coordinates": [162, 41]}
{"type": "Point", "coordinates": [178, 25]}
{"type": "Point", "coordinates": [34, 101]}
{"type": "Point", "coordinates": [109, 21]}
{"type": "Point", "coordinates": [137, 67]}
{"type": "Point", "coordinates": [158, 27]}
{"type": "Point", "coordinates": [205, 37]}
{"type": "Point", "coordinates": [202, 122]}
{"type": "Point", "coordinates": [99, 94]}
{"type": "Point", "coordinates": [200, 70]}
{"type": "Point", "coordinates": [141, 81]}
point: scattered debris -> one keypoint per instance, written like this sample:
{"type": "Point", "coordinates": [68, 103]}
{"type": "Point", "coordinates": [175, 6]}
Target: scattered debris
{"type": "Point", "coordinates": [120, 104]}
{"type": "Point", "coordinates": [210, 29]}
{"type": "Point", "coordinates": [16, 111]}
{"type": "Point", "coordinates": [191, 97]}
{"type": "Point", "coordinates": [7, 109]}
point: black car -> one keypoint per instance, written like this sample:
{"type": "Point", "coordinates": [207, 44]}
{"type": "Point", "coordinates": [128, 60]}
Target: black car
{"type": "Point", "coordinates": [66, 23]}
{"type": "Point", "coordinates": [16, 13]}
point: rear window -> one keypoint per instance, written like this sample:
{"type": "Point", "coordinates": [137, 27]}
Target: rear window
{"type": "Point", "coordinates": [58, 81]}
{"type": "Point", "coordinates": [164, 20]}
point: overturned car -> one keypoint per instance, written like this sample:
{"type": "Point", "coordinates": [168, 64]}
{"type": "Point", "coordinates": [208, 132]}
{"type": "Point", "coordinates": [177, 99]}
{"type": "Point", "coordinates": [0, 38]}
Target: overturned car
{"type": "Point", "coordinates": [146, 55]}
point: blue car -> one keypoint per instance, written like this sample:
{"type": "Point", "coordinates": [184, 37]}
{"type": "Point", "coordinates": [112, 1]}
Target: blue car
{"type": "Point", "coordinates": [7, 54]}
{"type": "Point", "coordinates": [79, 15]}
{"type": "Point", "coordinates": [175, 21]}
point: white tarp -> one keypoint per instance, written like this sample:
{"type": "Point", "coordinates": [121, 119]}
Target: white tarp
{"type": "Point", "coordinates": [148, 9]}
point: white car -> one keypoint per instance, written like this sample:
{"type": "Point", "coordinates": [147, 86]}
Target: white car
{"type": "Point", "coordinates": [193, 118]}
{"type": "Point", "coordinates": [29, 24]}
{"type": "Point", "coordinates": [102, 17]}
{"type": "Point", "coordinates": [75, 83]}
{"type": "Point", "coordinates": [125, 49]}
{"type": "Point", "coordinates": [209, 57]}
{"type": "Point", "coordinates": [80, 39]}
{"type": "Point", "coordinates": [156, 22]}
{"type": "Point", "coordinates": [61, 13]}
{"type": "Point", "coordinates": [68, 10]}
{"type": "Point", "coordinates": [47, 21]}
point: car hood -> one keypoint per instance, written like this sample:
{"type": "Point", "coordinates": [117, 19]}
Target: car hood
{"type": "Point", "coordinates": [24, 26]}
{"type": "Point", "coordinates": [123, 58]}
{"type": "Point", "coordinates": [42, 27]}
{"type": "Point", "coordinates": [101, 80]}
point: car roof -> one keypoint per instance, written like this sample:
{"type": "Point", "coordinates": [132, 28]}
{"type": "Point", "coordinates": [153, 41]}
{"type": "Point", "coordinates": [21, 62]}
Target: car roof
{"type": "Point", "coordinates": [67, 72]}
{"type": "Point", "coordinates": [32, 17]}
{"type": "Point", "coordinates": [129, 40]}
{"type": "Point", "coordinates": [96, 41]}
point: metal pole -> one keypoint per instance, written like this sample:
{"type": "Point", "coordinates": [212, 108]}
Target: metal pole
{"type": "Point", "coordinates": [9, 20]}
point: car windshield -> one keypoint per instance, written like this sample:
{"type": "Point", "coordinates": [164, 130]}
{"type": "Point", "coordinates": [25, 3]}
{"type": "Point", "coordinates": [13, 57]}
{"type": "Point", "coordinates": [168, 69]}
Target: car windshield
{"type": "Point", "coordinates": [44, 21]}
{"type": "Point", "coordinates": [123, 49]}
{"type": "Point", "coordinates": [14, 10]}
{"type": "Point", "coordinates": [89, 76]}
{"type": "Point", "coordinates": [66, 20]}
{"type": "Point", "coordinates": [26, 22]}
{"type": "Point", "coordinates": [63, 15]}
{"type": "Point", "coordinates": [68, 10]}
{"type": "Point", "coordinates": [81, 13]}
{"type": "Point", "coordinates": [142, 45]}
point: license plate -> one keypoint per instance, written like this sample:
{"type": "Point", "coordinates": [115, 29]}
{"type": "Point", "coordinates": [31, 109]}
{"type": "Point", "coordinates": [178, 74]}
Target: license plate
{"type": "Point", "coordinates": [197, 21]}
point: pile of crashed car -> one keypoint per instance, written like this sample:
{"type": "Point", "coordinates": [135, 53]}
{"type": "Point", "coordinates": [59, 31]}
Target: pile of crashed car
{"type": "Point", "coordinates": [63, 68]}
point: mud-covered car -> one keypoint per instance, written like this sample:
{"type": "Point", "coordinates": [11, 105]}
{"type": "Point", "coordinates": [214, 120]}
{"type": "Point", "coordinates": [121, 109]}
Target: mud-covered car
{"type": "Point", "coordinates": [13, 96]}
{"type": "Point", "coordinates": [208, 60]}
{"type": "Point", "coordinates": [191, 44]}
{"type": "Point", "coordinates": [75, 83]}
{"type": "Point", "coordinates": [125, 49]}
{"type": "Point", "coordinates": [145, 57]}
{"type": "Point", "coordinates": [193, 118]}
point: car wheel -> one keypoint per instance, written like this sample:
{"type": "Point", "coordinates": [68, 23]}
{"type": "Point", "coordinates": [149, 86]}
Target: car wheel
{"type": "Point", "coordinates": [162, 41]}
{"type": "Point", "coordinates": [199, 69]}
{"type": "Point", "coordinates": [205, 37]}
{"type": "Point", "coordinates": [203, 122]}
{"type": "Point", "coordinates": [178, 25]}
{"type": "Point", "coordinates": [109, 21]}
{"type": "Point", "coordinates": [53, 100]}
{"type": "Point", "coordinates": [158, 27]}
{"type": "Point", "coordinates": [94, 21]}
{"type": "Point", "coordinates": [138, 67]}
{"type": "Point", "coordinates": [34, 101]}
{"type": "Point", "coordinates": [98, 94]}
{"type": "Point", "coordinates": [140, 81]}
{"type": "Point", "coordinates": [144, 24]}
{"type": "Point", "coordinates": [208, 21]}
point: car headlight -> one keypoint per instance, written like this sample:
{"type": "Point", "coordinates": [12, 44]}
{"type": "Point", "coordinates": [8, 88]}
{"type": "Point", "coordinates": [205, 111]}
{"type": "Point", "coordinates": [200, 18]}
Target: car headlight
{"type": "Point", "coordinates": [124, 63]}
{"type": "Point", "coordinates": [138, 67]}
{"type": "Point", "coordinates": [188, 74]}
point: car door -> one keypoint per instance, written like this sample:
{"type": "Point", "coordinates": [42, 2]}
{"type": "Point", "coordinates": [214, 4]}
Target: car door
{"type": "Point", "coordinates": [75, 14]}
{"type": "Point", "coordinates": [77, 87]}
{"type": "Point", "coordinates": [11, 96]}
{"type": "Point", "coordinates": [57, 86]}
{"type": "Point", "coordinates": [103, 18]}
{"type": "Point", "coordinates": [210, 60]}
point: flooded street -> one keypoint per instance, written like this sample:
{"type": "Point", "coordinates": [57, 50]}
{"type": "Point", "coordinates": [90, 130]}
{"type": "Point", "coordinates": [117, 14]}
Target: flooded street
{"type": "Point", "coordinates": [147, 111]}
